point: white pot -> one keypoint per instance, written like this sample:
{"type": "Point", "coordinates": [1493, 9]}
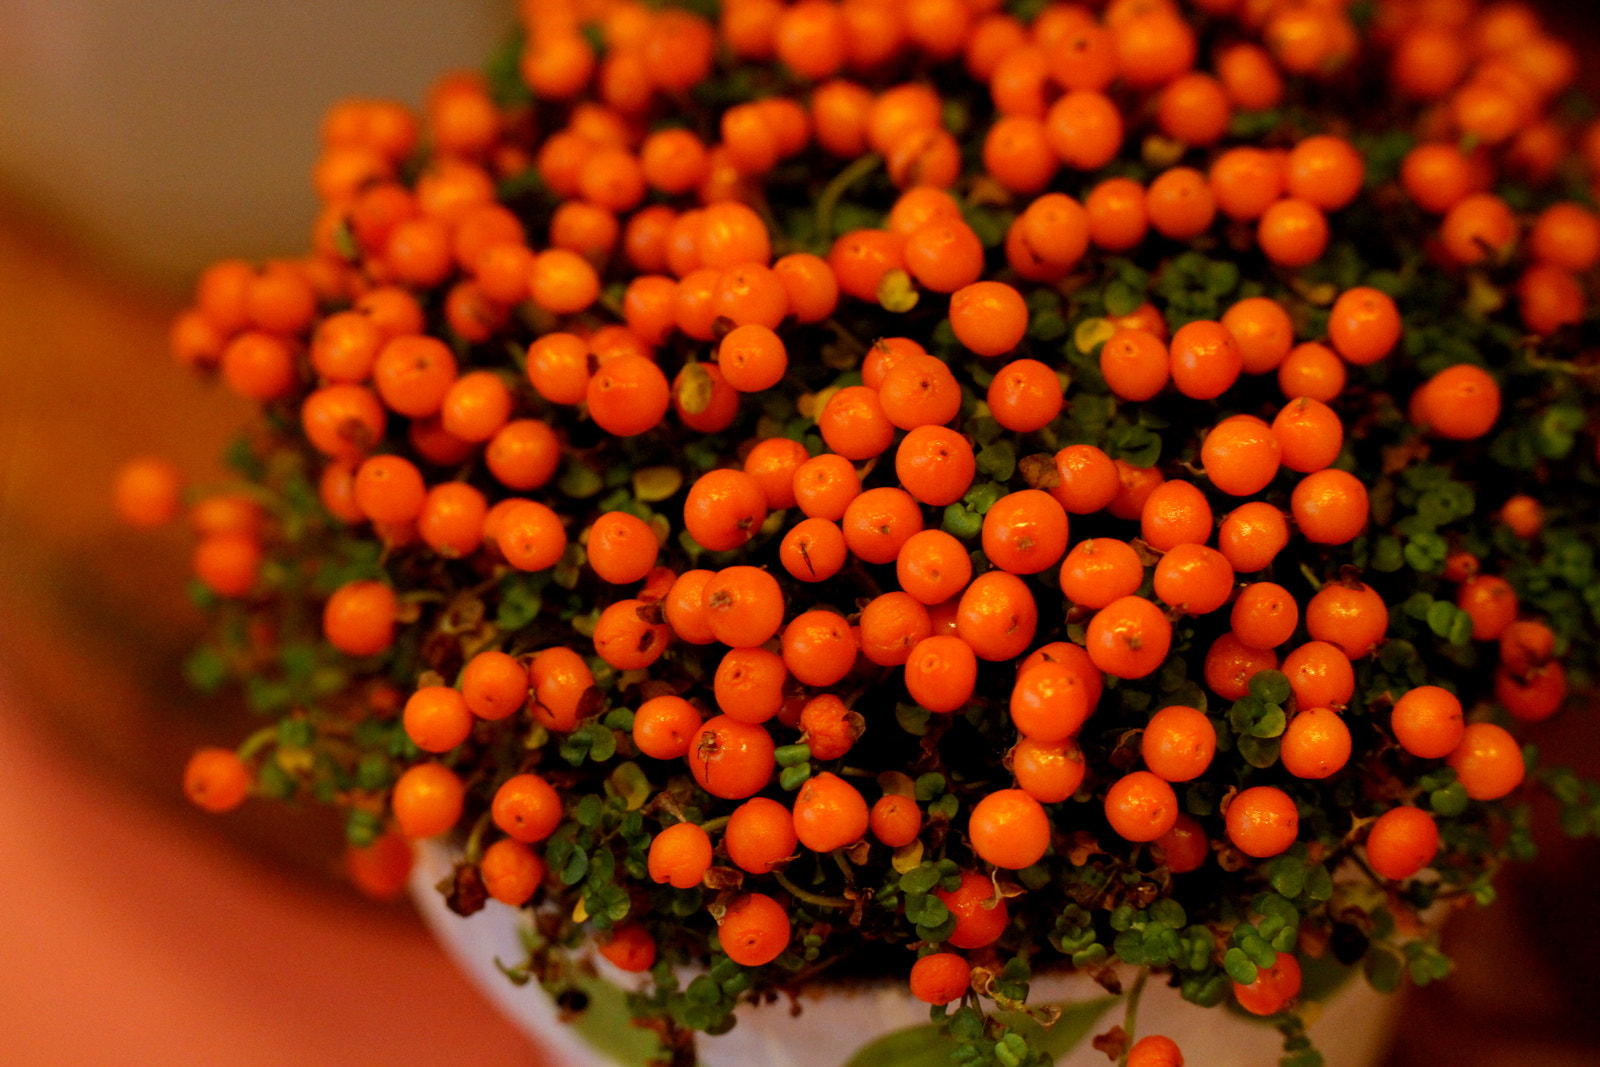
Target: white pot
{"type": "Point", "coordinates": [1351, 1027]}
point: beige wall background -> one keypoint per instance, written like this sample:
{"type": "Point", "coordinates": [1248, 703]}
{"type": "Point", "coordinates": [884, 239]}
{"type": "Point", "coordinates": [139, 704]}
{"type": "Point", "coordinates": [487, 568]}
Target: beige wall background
{"type": "Point", "coordinates": [168, 133]}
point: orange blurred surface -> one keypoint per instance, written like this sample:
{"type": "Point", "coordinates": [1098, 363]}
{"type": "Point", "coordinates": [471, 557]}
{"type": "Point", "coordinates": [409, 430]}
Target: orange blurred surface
{"type": "Point", "coordinates": [139, 931]}
{"type": "Point", "coordinates": [135, 938]}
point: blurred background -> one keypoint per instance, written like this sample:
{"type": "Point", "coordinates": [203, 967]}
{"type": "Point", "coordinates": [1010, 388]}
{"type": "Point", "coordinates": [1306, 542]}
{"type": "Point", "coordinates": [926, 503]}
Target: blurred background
{"type": "Point", "coordinates": [138, 142]}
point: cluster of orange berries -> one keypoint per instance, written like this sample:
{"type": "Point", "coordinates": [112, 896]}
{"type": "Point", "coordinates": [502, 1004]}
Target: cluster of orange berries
{"type": "Point", "coordinates": [661, 303]}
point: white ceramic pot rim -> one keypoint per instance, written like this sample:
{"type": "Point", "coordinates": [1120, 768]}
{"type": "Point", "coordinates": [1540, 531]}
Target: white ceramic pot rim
{"type": "Point", "coordinates": [1351, 1028]}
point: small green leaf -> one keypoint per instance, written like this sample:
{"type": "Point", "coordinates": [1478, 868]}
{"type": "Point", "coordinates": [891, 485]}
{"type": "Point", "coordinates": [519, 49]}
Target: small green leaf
{"type": "Point", "coordinates": [792, 778]}
{"type": "Point", "coordinates": [1270, 686]}
{"type": "Point", "coordinates": [791, 755]}
{"type": "Point", "coordinates": [1383, 968]}
{"type": "Point", "coordinates": [205, 669]}
{"type": "Point", "coordinates": [1239, 966]}
{"type": "Point", "coordinates": [962, 522]}
{"type": "Point", "coordinates": [998, 461]}
{"type": "Point", "coordinates": [1259, 752]}
{"type": "Point", "coordinates": [629, 783]}
{"type": "Point", "coordinates": [1449, 801]}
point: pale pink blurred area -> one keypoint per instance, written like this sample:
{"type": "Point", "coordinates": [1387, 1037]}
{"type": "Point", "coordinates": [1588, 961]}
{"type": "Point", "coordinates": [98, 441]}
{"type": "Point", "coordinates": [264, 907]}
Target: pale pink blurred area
{"type": "Point", "coordinates": [168, 133]}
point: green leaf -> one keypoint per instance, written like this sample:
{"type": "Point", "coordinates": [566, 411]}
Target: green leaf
{"type": "Point", "coordinates": [1270, 686]}
{"type": "Point", "coordinates": [520, 600]}
{"type": "Point", "coordinates": [998, 461]}
{"type": "Point", "coordinates": [628, 781]}
{"type": "Point", "coordinates": [1441, 617]}
{"type": "Point", "coordinates": [1239, 966]}
{"type": "Point", "coordinates": [575, 868]}
{"type": "Point", "coordinates": [791, 755]}
{"type": "Point", "coordinates": [1449, 801]}
{"type": "Point", "coordinates": [1253, 717]}
{"type": "Point", "coordinates": [915, 1046]}
{"type": "Point", "coordinates": [1122, 298]}
{"type": "Point", "coordinates": [962, 522]}
{"type": "Point", "coordinates": [205, 669]}
{"type": "Point", "coordinates": [1287, 874]}
{"type": "Point", "coordinates": [589, 811]}
{"type": "Point", "coordinates": [1259, 752]}
{"type": "Point", "coordinates": [1383, 968]}
{"type": "Point", "coordinates": [1557, 429]}
{"type": "Point", "coordinates": [1387, 555]}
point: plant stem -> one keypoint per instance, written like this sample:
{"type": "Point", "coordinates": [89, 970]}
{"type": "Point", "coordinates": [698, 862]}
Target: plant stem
{"type": "Point", "coordinates": [474, 846]}
{"type": "Point", "coordinates": [257, 741]}
{"type": "Point", "coordinates": [836, 188]}
{"type": "Point", "coordinates": [1130, 1018]}
{"type": "Point", "coordinates": [809, 897]}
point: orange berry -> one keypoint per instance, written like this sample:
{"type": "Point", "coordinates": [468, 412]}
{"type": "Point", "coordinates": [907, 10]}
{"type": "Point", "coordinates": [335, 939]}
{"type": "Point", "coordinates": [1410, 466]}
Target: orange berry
{"type": "Point", "coordinates": [147, 492]}
{"type": "Point", "coordinates": [890, 626]}
{"type": "Point", "coordinates": [760, 835]}
{"type": "Point", "coordinates": [731, 759]}
{"type": "Point", "coordinates": [359, 618]}
{"type": "Point", "coordinates": [663, 727]}
{"type": "Point", "coordinates": [1241, 455]}
{"type": "Point", "coordinates": [754, 930]}
{"type": "Point", "coordinates": [1351, 616]}
{"type": "Point", "coordinates": [216, 779]}
{"type": "Point", "coordinates": [437, 719]}
{"type": "Point", "coordinates": [819, 647]}
{"type": "Point", "coordinates": [940, 673]}
{"type": "Point", "coordinates": [1049, 702]}
{"type": "Point", "coordinates": [427, 800]}
{"type": "Point", "coordinates": [1488, 762]}
{"type": "Point", "coordinates": [1141, 806]}
{"type": "Point", "coordinates": [1009, 829]}
{"type": "Point", "coordinates": [1402, 842]}
{"type": "Point", "coordinates": [813, 550]}
{"type": "Point", "coordinates": [1316, 743]}
{"type": "Point", "coordinates": [829, 813]}
{"type": "Point", "coordinates": [1178, 743]}
{"type": "Point", "coordinates": [1330, 507]}
{"type": "Point", "coordinates": [895, 820]}
{"type": "Point", "coordinates": [680, 855]}
{"type": "Point", "coordinates": [1205, 359]}
{"type": "Point", "coordinates": [988, 317]}
{"type": "Point", "coordinates": [1274, 986]}
{"type": "Point", "coordinates": [724, 509]}
{"type": "Point", "coordinates": [1129, 637]}
{"type": "Point", "coordinates": [980, 911]}
{"type": "Point", "coordinates": [1262, 821]}
{"type": "Point", "coordinates": [940, 977]}
{"type": "Point", "coordinates": [1155, 1050]}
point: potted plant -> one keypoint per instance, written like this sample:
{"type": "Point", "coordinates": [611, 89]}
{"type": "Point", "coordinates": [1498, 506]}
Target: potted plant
{"type": "Point", "coordinates": [802, 495]}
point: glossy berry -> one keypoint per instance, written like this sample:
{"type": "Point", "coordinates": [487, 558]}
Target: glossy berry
{"type": "Point", "coordinates": [1140, 806]}
{"type": "Point", "coordinates": [1273, 989]}
{"type": "Point", "coordinates": [1009, 829]}
{"type": "Point", "coordinates": [1155, 1050]}
{"type": "Point", "coordinates": [1402, 842]}
{"type": "Point", "coordinates": [980, 912]}
{"type": "Point", "coordinates": [1262, 821]}
{"type": "Point", "coordinates": [1488, 761]}
{"type": "Point", "coordinates": [940, 977]}
{"type": "Point", "coordinates": [680, 855]}
{"type": "Point", "coordinates": [216, 779]}
{"type": "Point", "coordinates": [829, 813]}
{"type": "Point", "coordinates": [754, 930]}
